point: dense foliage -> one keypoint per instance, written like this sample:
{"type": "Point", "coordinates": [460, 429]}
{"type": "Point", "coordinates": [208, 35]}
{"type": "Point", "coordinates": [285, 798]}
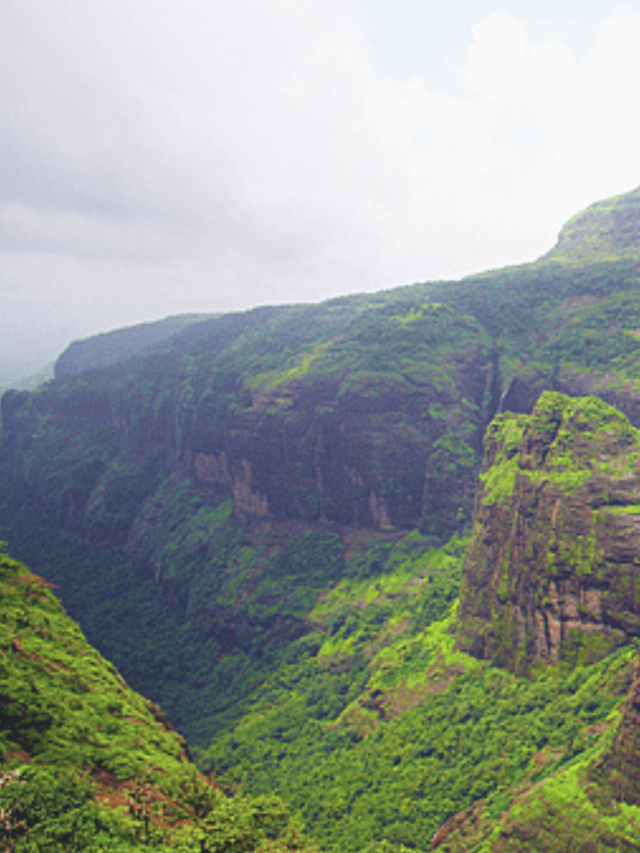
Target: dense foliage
{"type": "Point", "coordinates": [88, 765]}
{"type": "Point", "coordinates": [377, 728]}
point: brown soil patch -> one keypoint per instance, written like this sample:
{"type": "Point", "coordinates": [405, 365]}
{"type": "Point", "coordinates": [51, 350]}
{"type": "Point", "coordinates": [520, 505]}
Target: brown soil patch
{"type": "Point", "coordinates": [17, 755]}
{"type": "Point", "coordinates": [403, 699]}
{"type": "Point", "coordinates": [33, 580]}
{"type": "Point", "coordinates": [471, 821]}
{"type": "Point", "coordinates": [139, 800]}
{"type": "Point", "coordinates": [56, 666]}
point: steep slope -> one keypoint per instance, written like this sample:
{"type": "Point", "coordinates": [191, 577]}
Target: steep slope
{"type": "Point", "coordinates": [591, 804]}
{"type": "Point", "coordinates": [85, 763]}
{"type": "Point", "coordinates": [618, 768]}
{"type": "Point", "coordinates": [552, 565]}
{"type": "Point", "coordinates": [379, 731]}
{"type": "Point", "coordinates": [550, 577]}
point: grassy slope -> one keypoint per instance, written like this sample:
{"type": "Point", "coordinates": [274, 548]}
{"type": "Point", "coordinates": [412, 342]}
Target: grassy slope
{"type": "Point", "coordinates": [571, 810]}
{"type": "Point", "coordinates": [606, 230]}
{"type": "Point", "coordinates": [86, 763]}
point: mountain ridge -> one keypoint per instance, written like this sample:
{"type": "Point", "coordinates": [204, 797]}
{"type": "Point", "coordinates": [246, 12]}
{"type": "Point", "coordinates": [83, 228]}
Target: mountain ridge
{"type": "Point", "coordinates": [606, 230]}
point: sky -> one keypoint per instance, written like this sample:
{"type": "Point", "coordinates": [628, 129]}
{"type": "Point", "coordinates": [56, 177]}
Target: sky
{"type": "Point", "coordinates": [171, 156]}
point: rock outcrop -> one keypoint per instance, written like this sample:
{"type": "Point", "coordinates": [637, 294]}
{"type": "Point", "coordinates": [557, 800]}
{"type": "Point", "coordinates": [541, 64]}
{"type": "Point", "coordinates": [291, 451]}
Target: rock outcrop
{"type": "Point", "coordinates": [553, 566]}
{"type": "Point", "coordinates": [617, 769]}
{"type": "Point", "coordinates": [608, 229]}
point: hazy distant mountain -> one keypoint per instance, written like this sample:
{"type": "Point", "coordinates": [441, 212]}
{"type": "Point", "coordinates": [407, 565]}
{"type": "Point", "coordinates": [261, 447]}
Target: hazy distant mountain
{"type": "Point", "coordinates": [32, 381]}
{"type": "Point", "coordinates": [112, 347]}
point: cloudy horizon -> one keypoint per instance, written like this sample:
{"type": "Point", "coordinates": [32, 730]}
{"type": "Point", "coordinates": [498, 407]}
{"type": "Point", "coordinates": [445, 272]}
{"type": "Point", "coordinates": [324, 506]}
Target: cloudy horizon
{"type": "Point", "coordinates": [161, 157]}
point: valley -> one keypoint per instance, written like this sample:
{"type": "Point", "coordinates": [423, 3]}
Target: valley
{"type": "Point", "coordinates": [378, 557]}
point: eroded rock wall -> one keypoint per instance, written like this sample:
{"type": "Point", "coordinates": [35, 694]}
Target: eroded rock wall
{"type": "Point", "coordinates": [553, 566]}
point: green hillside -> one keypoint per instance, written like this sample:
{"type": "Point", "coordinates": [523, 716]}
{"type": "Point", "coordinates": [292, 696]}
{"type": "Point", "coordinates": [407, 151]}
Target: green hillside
{"type": "Point", "coordinates": [607, 230]}
{"type": "Point", "coordinates": [263, 519]}
{"type": "Point", "coordinates": [86, 763]}
{"type": "Point", "coordinates": [380, 729]}
{"type": "Point", "coordinates": [109, 348]}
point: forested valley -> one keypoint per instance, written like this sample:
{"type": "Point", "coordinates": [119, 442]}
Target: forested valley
{"type": "Point", "coordinates": [373, 564]}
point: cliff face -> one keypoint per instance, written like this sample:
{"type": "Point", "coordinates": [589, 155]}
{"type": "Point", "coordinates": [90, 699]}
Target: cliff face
{"type": "Point", "coordinates": [553, 566]}
{"type": "Point", "coordinates": [330, 414]}
{"type": "Point", "coordinates": [214, 484]}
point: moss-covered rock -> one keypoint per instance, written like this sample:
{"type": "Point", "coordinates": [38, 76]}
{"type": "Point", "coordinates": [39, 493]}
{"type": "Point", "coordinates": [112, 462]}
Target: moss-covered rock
{"type": "Point", "coordinates": [553, 563]}
{"type": "Point", "coordinates": [617, 770]}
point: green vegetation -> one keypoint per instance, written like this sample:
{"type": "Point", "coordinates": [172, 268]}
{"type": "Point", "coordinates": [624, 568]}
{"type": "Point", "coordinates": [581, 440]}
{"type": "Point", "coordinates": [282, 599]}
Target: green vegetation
{"type": "Point", "coordinates": [88, 765]}
{"type": "Point", "coordinates": [607, 230]}
{"type": "Point", "coordinates": [386, 731]}
{"type": "Point", "coordinates": [565, 442]}
{"type": "Point", "coordinates": [249, 516]}
{"type": "Point", "coordinates": [113, 347]}
{"type": "Point", "coordinates": [372, 706]}
{"type": "Point", "coordinates": [499, 479]}
{"type": "Point", "coordinates": [565, 813]}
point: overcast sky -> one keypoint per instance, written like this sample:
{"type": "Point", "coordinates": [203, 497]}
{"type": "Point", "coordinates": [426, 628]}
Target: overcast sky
{"type": "Point", "coordinates": [169, 156]}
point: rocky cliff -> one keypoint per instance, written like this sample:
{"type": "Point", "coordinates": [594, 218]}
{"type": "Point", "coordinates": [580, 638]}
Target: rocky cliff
{"type": "Point", "coordinates": [552, 569]}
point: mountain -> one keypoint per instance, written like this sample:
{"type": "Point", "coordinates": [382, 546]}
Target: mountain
{"type": "Point", "coordinates": [608, 230]}
{"type": "Point", "coordinates": [113, 347]}
{"type": "Point", "coordinates": [29, 383]}
{"type": "Point", "coordinates": [219, 482]}
{"type": "Point", "coordinates": [550, 578]}
{"type": "Point", "coordinates": [87, 764]}
{"type": "Point", "coordinates": [551, 566]}
{"type": "Point", "coordinates": [427, 731]}
{"type": "Point", "coordinates": [262, 520]}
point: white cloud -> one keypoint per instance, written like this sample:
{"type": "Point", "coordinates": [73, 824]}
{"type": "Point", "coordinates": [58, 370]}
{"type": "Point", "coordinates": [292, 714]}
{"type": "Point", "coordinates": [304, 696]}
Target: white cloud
{"type": "Point", "coordinates": [160, 156]}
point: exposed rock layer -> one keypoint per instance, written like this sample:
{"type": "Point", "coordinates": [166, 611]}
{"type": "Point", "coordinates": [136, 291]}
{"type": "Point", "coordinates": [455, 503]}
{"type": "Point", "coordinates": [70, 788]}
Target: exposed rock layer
{"type": "Point", "coordinates": [617, 769]}
{"type": "Point", "coordinates": [553, 567]}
